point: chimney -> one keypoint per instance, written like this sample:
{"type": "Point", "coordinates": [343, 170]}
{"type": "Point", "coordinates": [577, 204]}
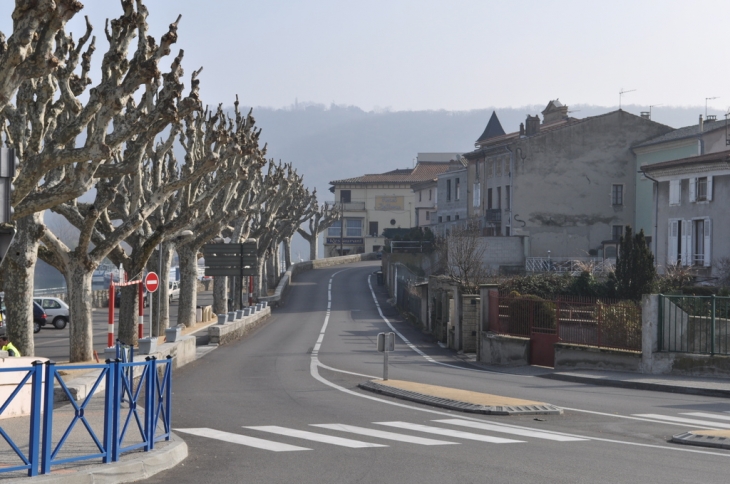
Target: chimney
{"type": "Point", "coordinates": [532, 125]}
{"type": "Point", "coordinates": [702, 124]}
{"type": "Point", "coordinates": [646, 114]}
{"type": "Point", "coordinates": [522, 130]}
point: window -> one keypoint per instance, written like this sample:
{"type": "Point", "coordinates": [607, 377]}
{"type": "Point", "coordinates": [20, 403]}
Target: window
{"type": "Point", "coordinates": [440, 219]}
{"type": "Point", "coordinates": [675, 192]}
{"type": "Point", "coordinates": [448, 190]}
{"type": "Point", "coordinates": [448, 218]}
{"type": "Point", "coordinates": [373, 230]}
{"type": "Point", "coordinates": [506, 197]}
{"type": "Point", "coordinates": [499, 197]}
{"type": "Point", "coordinates": [429, 194]}
{"type": "Point", "coordinates": [354, 227]}
{"type": "Point", "coordinates": [428, 215]}
{"type": "Point", "coordinates": [617, 195]}
{"type": "Point", "coordinates": [698, 241]}
{"type": "Point", "coordinates": [420, 193]}
{"type": "Point", "coordinates": [477, 195]}
{"type": "Point", "coordinates": [617, 231]}
{"type": "Point", "coordinates": [457, 189]}
{"type": "Point", "coordinates": [456, 217]}
{"type": "Point", "coordinates": [476, 171]}
{"type": "Point", "coordinates": [489, 198]}
{"type": "Point", "coordinates": [506, 231]}
{"type": "Point", "coordinates": [334, 229]}
{"type": "Point", "coordinates": [701, 189]}
{"type": "Point", "coordinates": [345, 196]}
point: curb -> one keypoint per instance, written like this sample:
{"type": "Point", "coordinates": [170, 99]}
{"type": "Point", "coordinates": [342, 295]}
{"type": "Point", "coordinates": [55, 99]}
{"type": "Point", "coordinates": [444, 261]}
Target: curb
{"type": "Point", "coordinates": [133, 468]}
{"type": "Point", "coordinates": [545, 409]}
{"type": "Point", "coordinates": [637, 385]}
{"type": "Point", "coordinates": [690, 438]}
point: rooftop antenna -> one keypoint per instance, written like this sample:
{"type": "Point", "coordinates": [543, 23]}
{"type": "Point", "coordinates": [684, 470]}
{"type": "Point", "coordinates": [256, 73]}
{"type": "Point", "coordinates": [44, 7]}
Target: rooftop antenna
{"type": "Point", "coordinates": [653, 106]}
{"type": "Point", "coordinates": [708, 99]}
{"type": "Point", "coordinates": [621, 93]}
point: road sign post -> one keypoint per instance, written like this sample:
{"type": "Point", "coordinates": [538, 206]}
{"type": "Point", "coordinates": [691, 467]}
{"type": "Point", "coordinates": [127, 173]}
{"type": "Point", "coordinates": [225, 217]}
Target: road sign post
{"type": "Point", "coordinates": [386, 344]}
{"type": "Point", "coordinates": [152, 281]}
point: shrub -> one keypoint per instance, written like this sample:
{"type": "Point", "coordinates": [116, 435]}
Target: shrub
{"type": "Point", "coordinates": [523, 309]}
{"type": "Point", "coordinates": [635, 271]}
{"type": "Point", "coordinates": [620, 324]}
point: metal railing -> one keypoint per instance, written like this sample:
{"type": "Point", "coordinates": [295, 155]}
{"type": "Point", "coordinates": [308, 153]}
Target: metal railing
{"type": "Point", "coordinates": [603, 323]}
{"type": "Point", "coordinates": [49, 291]}
{"type": "Point", "coordinates": [135, 414]}
{"type": "Point", "coordinates": [694, 324]}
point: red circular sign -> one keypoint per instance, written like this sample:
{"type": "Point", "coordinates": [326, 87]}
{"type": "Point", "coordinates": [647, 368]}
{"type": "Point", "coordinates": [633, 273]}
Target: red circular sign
{"type": "Point", "coordinates": [151, 282]}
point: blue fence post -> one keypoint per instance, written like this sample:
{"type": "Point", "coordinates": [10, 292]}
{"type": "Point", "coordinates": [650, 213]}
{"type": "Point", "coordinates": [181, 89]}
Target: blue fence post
{"type": "Point", "coordinates": [34, 436]}
{"type": "Point", "coordinates": [109, 393]}
{"type": "Point", "coordinates": [116, 404]}
{"type": "Point", "coordinates": [47, 440]}
{"type": "Point", "coordinates": [168, 396]}
{"type": "Point", "coordinates": [149, 404]}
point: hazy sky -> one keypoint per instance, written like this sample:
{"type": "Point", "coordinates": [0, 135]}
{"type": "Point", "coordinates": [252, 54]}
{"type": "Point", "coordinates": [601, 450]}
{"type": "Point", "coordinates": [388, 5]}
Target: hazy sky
{"type": "Point", "coordinates": [429, 54]}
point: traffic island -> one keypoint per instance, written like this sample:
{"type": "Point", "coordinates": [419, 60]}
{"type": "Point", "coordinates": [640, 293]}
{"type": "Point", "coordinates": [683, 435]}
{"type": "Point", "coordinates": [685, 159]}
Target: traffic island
{"type": "Point", "coordinates": [719, 439]}
{"type": "Point", "coordinates": [460, 400]}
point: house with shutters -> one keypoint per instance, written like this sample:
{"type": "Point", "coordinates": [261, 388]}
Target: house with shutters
{"type": "Point", "coordinates": [691, 201]}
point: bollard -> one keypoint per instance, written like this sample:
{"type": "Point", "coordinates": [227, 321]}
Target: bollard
{"type": "Point", "coordinates": [239, 314]}
{"type": "Point", "coordinates": [264, 304]}
{"type": "Point", "coordinates": [222, 318]}
{"type": "Point", "coordinates": [246, 312]}
{"type": "Point", "coordinates": [231, 316]}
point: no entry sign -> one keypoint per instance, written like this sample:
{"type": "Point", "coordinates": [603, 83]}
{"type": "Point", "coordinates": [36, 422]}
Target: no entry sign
{"type": "Point", "coordinates": [151, 282]}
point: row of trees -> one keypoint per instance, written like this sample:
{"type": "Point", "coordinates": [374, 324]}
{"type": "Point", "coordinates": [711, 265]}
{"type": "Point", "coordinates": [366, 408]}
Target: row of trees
{"type": "Point", "coordinates": [157, 171]}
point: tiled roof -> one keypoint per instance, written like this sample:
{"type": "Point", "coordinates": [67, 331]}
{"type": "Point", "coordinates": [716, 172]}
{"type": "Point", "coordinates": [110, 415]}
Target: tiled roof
{"type": "Point", "coordinates": [422, 172]}
{"type": "Point", "coordinates": [683, 133]}
{"type": "Point", "coordinates": [722, 156]}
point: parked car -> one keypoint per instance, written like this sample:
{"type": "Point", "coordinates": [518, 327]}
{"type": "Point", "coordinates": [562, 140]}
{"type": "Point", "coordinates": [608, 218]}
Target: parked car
{"type": "Point", "coordinates": [173, 291]}
{"type": "Point", "coordinates": [40, 318]}
{"type": "Point", "coordinates": [56, 310]}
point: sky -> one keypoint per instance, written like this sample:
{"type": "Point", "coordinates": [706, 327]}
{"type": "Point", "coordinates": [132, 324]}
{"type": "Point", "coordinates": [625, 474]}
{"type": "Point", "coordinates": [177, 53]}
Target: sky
{"type": "Point", "coordinates": [430, 55]}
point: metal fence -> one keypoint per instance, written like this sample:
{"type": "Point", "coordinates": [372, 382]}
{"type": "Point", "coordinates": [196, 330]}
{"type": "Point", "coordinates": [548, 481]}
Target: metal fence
{"type": "Point", "coordinates": [605, 323]}
{"type": "Point", "coordinates": [694, 324]}
{"type": "Point", "coordinates": [574, 265]}
{"type": "Point", "coordinates": [134, 414]}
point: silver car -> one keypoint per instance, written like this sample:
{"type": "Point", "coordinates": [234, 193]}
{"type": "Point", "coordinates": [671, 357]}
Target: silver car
{"type": "Point", "coordinates": [56, 309]}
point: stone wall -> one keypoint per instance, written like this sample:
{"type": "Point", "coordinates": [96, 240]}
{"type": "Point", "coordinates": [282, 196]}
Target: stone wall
{"type": "Point", "coordinates": [469, 322]}
{"type": "Point", "coordinates": [503, 350]}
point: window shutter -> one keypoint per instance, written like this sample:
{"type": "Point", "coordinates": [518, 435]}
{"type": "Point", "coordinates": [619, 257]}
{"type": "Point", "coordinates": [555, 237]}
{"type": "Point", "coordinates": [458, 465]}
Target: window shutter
{"type": "Point", "coordinates": [674, 192]}
{"type": "Point", "coordinates": [692, 189]}
{"type": "Point", "coordinates": [686, 255]}
{"type": "Point", "coordinates": [708, 242]}
{"type": "Point", "coordinates": [672, 249]}
{"type": "Point", "coordinates": [709, 188]}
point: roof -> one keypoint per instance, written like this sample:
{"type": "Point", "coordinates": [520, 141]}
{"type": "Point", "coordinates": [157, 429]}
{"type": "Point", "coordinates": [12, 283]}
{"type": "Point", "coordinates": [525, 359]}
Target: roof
{"type": "Point", "coordinates": [423, 171]}
{"type": "Point", "coordinates": [683, 133]}
{"type": "Point", "coordinates": [719, 157]}
{"type": "Point", "coordinates": [493, 129]}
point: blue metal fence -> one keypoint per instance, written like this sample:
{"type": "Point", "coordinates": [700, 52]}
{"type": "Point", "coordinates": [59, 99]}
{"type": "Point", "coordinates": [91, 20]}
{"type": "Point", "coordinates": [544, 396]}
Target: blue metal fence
{"type": "Point", "coordinates": [136, 412]}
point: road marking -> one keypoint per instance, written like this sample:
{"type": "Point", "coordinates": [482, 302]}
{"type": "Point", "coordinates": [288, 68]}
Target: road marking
{"type": "Point", "coordinates": [449, 432]}
{"type": "Point", "coordinates": [680, 420]}
{"type": "Point", "coordinates": [499, 428]}
{"type": "Point", "coordinates": [242, 440]}
{"type": "Point", "coordinates": [326, 439]}
{"type": "Point", "coordinates": [382, 434]}
{"type": "Point", "coordinates": [706, 415]}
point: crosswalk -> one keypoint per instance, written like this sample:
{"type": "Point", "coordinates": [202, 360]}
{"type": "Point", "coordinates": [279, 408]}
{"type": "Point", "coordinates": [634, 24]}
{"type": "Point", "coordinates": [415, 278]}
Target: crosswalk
{"type": "Point", "coordinates": [694, 420]}
{"type": "Point", "coordinates": [450, 432]}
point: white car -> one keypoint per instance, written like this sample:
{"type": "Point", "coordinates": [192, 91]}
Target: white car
{"type": "Point", "coordinates": [55, 309]}
{"type": "Point", "coordinates": [174, 291]}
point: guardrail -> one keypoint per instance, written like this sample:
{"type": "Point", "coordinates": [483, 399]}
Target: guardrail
{"type": "Point", "coordinates": [49, 291]}
{"type": "Point", "coordinates": [135, 415]}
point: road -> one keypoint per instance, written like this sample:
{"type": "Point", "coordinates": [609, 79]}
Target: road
{"type": "Point", "coordinates": [283, 406]}
{"type": "Point", "coordinates": [53, 343]}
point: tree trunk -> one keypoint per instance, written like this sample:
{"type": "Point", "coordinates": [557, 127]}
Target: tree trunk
{"type": "Point", "coordinates": [188, 284]}
{"type": "Point", "coordinates": [160, 305]}
{"type": "Point", "coordinates": [287, 253]}
{"type": "Point", "coordinates": [220, 294]}
{"type": "Point", "coordinates": [19, 277]}
{"type": "Point", "coordinates": [313, 242]}
{"type": "Point", "coordinates": [128, 315]}
{"type": "Point", "coordinates": [81, 336]}
{"type": "Point", "coordinates": [270, 272]}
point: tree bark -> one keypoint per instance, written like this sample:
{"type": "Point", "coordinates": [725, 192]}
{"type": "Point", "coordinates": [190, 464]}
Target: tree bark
{"type": "Point", "coordinates": [81, 336]}
{"type": "Point", "coordinates": [188, 257]}
{"type": "Point", "coordinates": [313, 242]}
{"type": "Point", "coordinates": [220, 294]}
{"type": "Point", "coordinates": [161, 299]}
{"type": "Point", "coordinates": [287, 253]}
{"type": "Point", "coordinates": [128, 314]}
{"type": "Point", "coordinates": [19, 277]}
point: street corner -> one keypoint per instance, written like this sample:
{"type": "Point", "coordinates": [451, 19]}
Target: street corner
{"type": "Point", "coordinates": [459, 400]}
{"type": "Point", "coordinates": [718, 439]}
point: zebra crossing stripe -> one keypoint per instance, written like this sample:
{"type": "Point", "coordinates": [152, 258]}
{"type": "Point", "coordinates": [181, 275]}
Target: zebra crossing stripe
{"type": "Point", "coordinates": [448, 432]}
{"type": "Point", "coordinates": [382, 434]}
{"type": "Point", "coordinates": [707, 415]}
{"type": "Point", "coordinates": [679, 420]}
{"type": "Point", "coordinates": [327, 439]}
{"type": "Point", "coordinates": [242, 440]}
{"type": "Point", "coordinates": [509, 430]}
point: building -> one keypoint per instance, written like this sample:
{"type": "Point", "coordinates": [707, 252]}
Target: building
{"type": "Point", "coordinates": [451, 186]}
{"type": "Point", "coordinates": [371, 203]}
{"type": "Point", "coordinates": [426, 199]}
{"type": "Point", "coordinates": [691, 203]}
{"type": "Point", "coordinates": [705, 137]}
{"type": "Point", "coordinates": [565, 184]}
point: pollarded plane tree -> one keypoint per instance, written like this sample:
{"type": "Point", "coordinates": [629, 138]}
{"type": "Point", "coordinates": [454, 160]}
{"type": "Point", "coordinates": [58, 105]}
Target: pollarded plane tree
{"type": "Point", "coordinates": [302, 209]}
{"type": "Point", "coordinates": [322, 218]}
{"type": "Point", "coordinates": [63, 144]}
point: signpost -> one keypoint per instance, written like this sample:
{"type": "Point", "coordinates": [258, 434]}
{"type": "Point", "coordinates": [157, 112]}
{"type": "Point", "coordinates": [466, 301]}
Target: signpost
{"type": "Point", "coordinates": [233, 260]}
{"type": "Point", "coordinates": [152, 282]}
{"type": "Point", "coordinates": [386, 344]}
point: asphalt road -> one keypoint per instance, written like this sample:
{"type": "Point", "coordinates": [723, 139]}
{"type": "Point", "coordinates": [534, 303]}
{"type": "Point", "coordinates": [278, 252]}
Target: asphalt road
{"type": "Point", "coordinates": [53, 343]}
{"type": "Point", "coordinates": [253, 411]}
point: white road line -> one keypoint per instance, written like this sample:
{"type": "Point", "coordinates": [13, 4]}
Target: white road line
{"type": "Point", "coordinates": [382, 434]}
{"type": "Point", "coordinates": [242, 440]}
{"type": "Point", "coordinates": [326, 439]}
{"type": "Point", "coordinates": [449, 432]}
{"type": "Point", "coordinates": [522, 432]}
{"type": "Point", "coordinates": [706, 415]}
{"type": "Point", "coordinates": [689, 421]}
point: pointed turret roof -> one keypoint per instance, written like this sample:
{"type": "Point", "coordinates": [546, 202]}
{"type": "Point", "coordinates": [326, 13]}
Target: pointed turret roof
{"type": "Point", "coordinates": [493, 129]}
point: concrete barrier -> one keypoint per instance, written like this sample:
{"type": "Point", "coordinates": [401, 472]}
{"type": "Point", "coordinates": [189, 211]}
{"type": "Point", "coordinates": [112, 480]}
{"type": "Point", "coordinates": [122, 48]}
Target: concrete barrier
{"type": "Point", "coordinates": [219, 334]}
{"type": "Point", "coordinates": [581, 357]}
{"type": "Point", "coordinates": [504, 350]}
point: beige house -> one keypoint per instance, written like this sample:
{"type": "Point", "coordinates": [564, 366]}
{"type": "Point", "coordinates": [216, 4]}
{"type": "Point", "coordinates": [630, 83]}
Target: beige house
{"type": "Point", "coordinates": [372, 203]}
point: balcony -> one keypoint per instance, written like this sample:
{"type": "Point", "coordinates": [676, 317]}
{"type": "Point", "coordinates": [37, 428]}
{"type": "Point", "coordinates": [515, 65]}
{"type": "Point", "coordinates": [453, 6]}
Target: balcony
{"type": "Point", "coordinates": [349, 206]}
{"type": "Point", "coordinates": [493, 215]}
